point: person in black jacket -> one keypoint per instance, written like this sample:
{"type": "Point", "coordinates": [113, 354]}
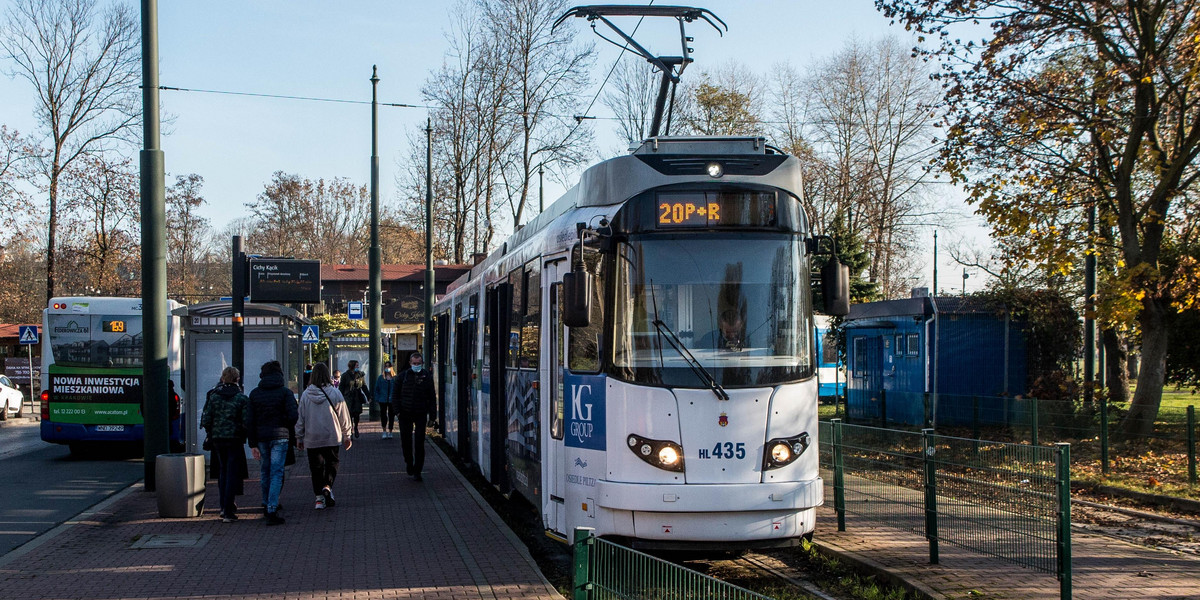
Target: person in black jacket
{"type": "Point", "coordinates": [353, 387]}
{"type": "Point", "coordinates": [270, 416]}
{"type": "Point", "coordinates": [415, 403]}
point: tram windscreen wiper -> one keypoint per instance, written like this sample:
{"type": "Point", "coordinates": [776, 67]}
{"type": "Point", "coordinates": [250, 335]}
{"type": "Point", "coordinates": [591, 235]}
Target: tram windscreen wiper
{"type": "Point", "coordinates": [698, 368]}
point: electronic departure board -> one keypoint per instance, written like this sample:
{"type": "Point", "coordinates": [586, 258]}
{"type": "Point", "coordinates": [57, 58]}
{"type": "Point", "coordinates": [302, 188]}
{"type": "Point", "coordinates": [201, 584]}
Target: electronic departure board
{"type": "Point", "coordinates": [112, 326]}
{"type": "Point", "coordinates": [715, 209]}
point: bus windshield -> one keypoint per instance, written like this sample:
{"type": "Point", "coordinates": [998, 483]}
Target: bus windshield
{"type": "Point", "coordinates": [739, 304]}
{"type": "Point", "coordinates": [86, 340]}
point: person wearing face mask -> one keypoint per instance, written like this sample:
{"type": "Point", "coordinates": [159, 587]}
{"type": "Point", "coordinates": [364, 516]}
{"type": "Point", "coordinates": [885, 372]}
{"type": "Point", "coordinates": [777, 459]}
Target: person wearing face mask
{"type": "Point", "coordinates": [415, 403]}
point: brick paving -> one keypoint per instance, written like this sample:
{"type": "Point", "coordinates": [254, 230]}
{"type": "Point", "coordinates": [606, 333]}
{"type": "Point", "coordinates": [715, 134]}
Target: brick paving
{"type": "Point", "coordinates": [1103, 567]}
{"type": "Point", "coordinates": [388, 537]}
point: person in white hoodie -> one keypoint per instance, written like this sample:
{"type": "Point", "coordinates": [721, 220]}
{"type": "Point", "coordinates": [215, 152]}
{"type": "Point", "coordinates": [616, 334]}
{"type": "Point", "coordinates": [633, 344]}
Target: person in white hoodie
{"type": "Point", "coordinates": [323, 426]}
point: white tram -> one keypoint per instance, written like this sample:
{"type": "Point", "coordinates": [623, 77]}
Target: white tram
{"type": "Point", "coordinates": [640, 357]}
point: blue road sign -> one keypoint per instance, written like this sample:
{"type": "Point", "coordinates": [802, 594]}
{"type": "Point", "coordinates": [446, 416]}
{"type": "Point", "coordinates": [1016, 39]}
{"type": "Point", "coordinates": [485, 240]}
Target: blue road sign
{"type": "Point", "coordinates": [354, 310]}
{"type": "Point", "coordinates": [310, 334]}
{"type": "Point", "coordinates": [28, 334]}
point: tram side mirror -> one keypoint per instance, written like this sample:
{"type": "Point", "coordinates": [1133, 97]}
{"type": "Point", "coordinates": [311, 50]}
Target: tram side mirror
{"type": "Point", "coordinates": [577, 291]}
{"type": "Point", "coordinates": [835, 288]}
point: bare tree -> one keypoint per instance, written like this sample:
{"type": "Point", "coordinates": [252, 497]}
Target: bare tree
{"type": "Point", "coordinates": [188, 235]}
{"type": "Point", "coordinates": [101, 228]}
{"type": "Point", "coordinates": [727, 100]}
{"type": "Point", "coordinates": [549, 73]}
{"type": "Point", "coordinates": [325, 220]}
{"type": "Point", "coordinates": [84, 67]}
{"type": "Point", "coordinates": [872, 119]}
{"type": "Point", "coordinates": [631, 98]}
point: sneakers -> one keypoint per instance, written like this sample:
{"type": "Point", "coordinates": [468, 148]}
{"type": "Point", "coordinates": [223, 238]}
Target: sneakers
{"type": "Point", "coordinates": [327, 495]}
{"type": "Point", "coordinates": [273, 518]}
{"type": "Point", "coordinates": [320, 504]}
{"type": "Point", "coordinates": [387, 436]}
{"type": "Point", "coordinates": [229, 518]}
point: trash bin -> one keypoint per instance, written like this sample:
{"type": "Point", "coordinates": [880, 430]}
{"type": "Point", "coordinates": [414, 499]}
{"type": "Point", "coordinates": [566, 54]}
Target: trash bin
{"type": "Point", "coordinates": [179, 479]}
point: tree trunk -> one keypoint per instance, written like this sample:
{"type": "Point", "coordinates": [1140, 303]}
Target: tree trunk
{"type": "Point", "coordinates": [1116, 377]}
{"type": "Point", "coordinates": [52, 229]}
{"type": "Point", "coordinates": [1144, 408]}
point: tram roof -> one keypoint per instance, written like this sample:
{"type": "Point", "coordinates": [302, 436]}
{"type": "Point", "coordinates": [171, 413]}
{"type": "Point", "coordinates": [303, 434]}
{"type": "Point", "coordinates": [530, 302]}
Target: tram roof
{"type": "Point", "coordinates": [655, 162]}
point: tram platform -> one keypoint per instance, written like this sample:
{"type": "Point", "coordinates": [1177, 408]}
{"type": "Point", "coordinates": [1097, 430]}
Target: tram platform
{"type": "Point", "coordinates": [1104, 567]}
{"type": "Point", "coordinates": [388, 537]}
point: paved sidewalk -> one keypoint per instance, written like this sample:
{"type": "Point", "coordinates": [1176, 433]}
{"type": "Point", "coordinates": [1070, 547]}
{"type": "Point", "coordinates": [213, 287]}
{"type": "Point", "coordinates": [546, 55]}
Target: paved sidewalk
{"type": "Point", "coordinates": [1103, 567]}
{"type": "Point", "coordinates": [388, 537]}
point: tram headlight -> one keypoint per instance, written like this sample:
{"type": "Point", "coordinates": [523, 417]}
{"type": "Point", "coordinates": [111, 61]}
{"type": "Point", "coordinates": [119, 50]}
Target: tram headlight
{"type": "Point", "coordinates": [663, 454]}
{"type": "Point", "coordinates": [784, 451]}
{"type": "Point", "coordinates": [715, 170]}
{"type": "Point", "coordinates": [781, 452]}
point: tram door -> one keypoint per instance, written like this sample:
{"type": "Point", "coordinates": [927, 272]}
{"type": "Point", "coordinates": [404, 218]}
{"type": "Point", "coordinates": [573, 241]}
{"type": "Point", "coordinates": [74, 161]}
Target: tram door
{"type": "Point", "coordinates": [464, 338]}
{"type": "Point", "coordinates": [554, 513]}
{"type": "Point", "coordinates": [497, 315]}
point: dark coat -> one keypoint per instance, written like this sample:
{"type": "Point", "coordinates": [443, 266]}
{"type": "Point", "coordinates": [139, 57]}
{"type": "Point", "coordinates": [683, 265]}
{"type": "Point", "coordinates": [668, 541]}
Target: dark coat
{"type": "Point", "coordinates": [414, 393]}
{"type": "Point", "coordinates": [271, 413]}
{"type": "Point", "coordinates": [224, 416]}
{"type": "Point", "coordinates": [353, 387]}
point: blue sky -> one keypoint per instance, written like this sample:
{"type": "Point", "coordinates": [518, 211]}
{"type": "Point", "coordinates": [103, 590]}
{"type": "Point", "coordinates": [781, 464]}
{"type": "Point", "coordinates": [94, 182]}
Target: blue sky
{"type": "Point", "coordinates": [326, 49]}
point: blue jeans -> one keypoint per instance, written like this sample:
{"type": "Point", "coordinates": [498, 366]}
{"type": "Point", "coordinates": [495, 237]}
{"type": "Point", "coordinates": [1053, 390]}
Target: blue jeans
{"type": "Point", "coordinates": [273, 453]}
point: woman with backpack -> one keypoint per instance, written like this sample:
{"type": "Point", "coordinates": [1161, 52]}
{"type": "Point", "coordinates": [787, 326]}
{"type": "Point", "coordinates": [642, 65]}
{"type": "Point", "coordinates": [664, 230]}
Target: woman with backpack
{"type": "Point", "coordinates": [323, 426]}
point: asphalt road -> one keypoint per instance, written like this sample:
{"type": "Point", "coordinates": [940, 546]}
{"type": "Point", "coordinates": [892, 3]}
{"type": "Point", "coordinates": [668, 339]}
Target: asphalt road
{"type": "Point", "coordinates": [43, 485]}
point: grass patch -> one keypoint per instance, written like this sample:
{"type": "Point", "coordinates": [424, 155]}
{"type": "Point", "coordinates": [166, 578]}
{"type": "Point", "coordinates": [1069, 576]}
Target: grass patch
{"type": "Point", "coordinates": [839, 578]}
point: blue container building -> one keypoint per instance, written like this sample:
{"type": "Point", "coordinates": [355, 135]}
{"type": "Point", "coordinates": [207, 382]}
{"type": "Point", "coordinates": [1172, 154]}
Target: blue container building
{"type": "Point", "coordinates": [938, 361]}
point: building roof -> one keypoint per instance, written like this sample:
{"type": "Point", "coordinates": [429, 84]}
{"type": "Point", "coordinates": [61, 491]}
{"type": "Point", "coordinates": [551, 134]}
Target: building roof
{"type": "Point", "coordinates": [922, 306]}
{"type": "Point", "coordinates": [414, 273]}
{"type": "Point", "coordinates": [12, 331]}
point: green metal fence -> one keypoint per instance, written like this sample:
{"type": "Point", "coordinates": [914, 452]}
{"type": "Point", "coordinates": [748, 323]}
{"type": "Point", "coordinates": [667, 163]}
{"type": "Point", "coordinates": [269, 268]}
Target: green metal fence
{"type": "Point", "coordinates": [1010, 501]}
{"type": "Point", "coordinates": [1092, 429]}
{"type": "Point", "coordinates": [604, 570]}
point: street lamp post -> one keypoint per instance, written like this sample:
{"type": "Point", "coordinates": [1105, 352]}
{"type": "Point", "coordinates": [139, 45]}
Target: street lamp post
{"type": "Point", "coordinates": [427, 350]}
{"type": "Point", "coordinates": [376, 285]}
{"type": "Point", "coordinates": [966, 276]}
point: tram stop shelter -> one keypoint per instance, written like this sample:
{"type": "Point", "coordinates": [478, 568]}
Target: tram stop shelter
{"type": "Point", "coordinates": [272, 332]}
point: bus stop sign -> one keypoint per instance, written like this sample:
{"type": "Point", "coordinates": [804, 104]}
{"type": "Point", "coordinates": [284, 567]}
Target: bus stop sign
{"type": "Point", "coordinates": [354, 310]}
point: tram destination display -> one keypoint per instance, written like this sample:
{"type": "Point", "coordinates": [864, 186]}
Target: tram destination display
{"type": "Point", "coordinates": [285, 280]}
{"type": "Point", "coordinates": [715, 209]}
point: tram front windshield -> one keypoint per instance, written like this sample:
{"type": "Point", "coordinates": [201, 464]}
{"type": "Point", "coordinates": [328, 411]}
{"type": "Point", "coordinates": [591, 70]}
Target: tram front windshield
{"type": "Point", "coordinates": [738, 303]}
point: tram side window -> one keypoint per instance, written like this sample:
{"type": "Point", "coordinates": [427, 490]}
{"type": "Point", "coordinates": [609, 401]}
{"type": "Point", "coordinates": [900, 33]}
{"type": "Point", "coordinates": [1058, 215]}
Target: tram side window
{"type": "Point", "coordinates": [531, 332]}
{"type": "Point", "coordinates": [585, 342]}
{"type": "Point", "coordinates": [516, 280]}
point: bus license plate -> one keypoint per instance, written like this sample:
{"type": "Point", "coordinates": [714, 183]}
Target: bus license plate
{"type": "Point", "coordinates": [110, 428]}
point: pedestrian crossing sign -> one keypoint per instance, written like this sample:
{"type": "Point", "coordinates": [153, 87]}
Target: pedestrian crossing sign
{"type": "Point", "coordinates": [28, 334]}
{"type": "Point", "coordinates": [310, 334]}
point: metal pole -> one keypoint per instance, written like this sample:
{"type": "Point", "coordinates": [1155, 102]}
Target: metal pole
{"type": "Point", "coordinates": [541, 191]}
{"type": "Point", "coordinates": [839, 481]}
{"type": "Point", "coordinates": [1064, 520]}
{"type": "Point", "coordinates": [1089, 312]}
{"type": "Point", "coordinates": [931, 520]}
{"type": "Point", "coordinates": [238, 306]}
{"type": "Point", "coordinates": [155, 371]}
{"type": "Point", "coordinates": [376, 286]}
{"type": "Point", "coordinates": [427, 350]}
{"type": "Point", "coordinates": [1191, 442]}
{"type": "Point", "coordinates": [581, 556]}
{"type": "Point", "coordinates": [935, 290]}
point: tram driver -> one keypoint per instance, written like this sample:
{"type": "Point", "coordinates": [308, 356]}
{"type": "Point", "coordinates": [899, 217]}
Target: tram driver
{"type": "Point", "coordinates": [730, 333]}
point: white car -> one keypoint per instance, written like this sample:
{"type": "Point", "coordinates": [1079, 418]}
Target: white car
{"type": "Point", "coordinates": [12, 398]}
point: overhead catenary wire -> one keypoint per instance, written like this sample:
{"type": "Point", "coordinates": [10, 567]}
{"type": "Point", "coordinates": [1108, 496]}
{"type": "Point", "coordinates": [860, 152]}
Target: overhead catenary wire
{"type": "Point", "coordinates": [289, 97]}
